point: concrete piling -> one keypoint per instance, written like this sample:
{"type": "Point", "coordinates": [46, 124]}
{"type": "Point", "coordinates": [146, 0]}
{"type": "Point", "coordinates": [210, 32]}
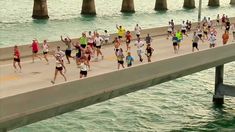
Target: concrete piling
{"type": "Point", "coordinates": [213, 3]}
{"type": "Point", "coordinates": [128, 6]}
{"type": "Point", "coordinates": [160, 5]}
{"type": "Point", "coordinates": [190, 4]}
{"type": "Point", "coordinates": [88, 7]}
{"type": "Point", "coordinates": [218, 97]}
{"type": "Point", "coordinates": [40, 9]}
{"type": "Point", "coordinates": [232, 2]}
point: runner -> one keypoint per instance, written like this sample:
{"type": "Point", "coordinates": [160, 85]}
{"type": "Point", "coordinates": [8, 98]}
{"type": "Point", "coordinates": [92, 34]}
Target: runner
{"type": "Point", "coordinates": [139, 45]}
{"type": "Point", "coordinates": [129, 59]}
{"type": "Point", "coordinates": [16, 58]}
{"type": "Point", "coordinates": [83, 40]}
{"type": "Point", "coordinates": [79, 52]}
{"type": "Point", "coordinates": [88, 53]}
{"type": "Point", "coordinates": [169, 30]}
{"type": "Point", "coordinates": [209, 23]}
{"type": "Point", "coordinates": [223, 21]}
{"type": "Point", "coordinates": [227, 25]}
{"type": "Point", "coordinates": [117, 44]}
{"type": "Point", "coordinates": [195, 41]}
{"type": "Point", "coordinates": [148, 39]}
{"type": "Point", "coordinates": [175, 43]}
{"type": "Point", "coordinates": [184, 28]}
{"type": "Point", "coordinates": [149, 50]}
{"type": "Point", "coordinates": [60, 53]}
{"type": "Point", "coordinates": [217, 20]}
{"type": "Point", "coordinates": [67, 41]}
{"type": "Point", "coordinates": [98, 41]}
{"type": "Point", "coordinates": [45, 49]}
{"type": "Point", "coordinates": [128, 40]}
{"type": "Point", "coordinates": [106, 36]}
{"type": "Point", "coordinates": [120, 57]}
{"type": "Point", "coordinates": [179, 36]}
{"type": "Point", "coordinates": [35, 49]}
{"type": "Point", "coordinates": [121, 31]}
{"type": "Point", "coordinates": [199, 33]}
{"type": "Point", "coordinates": [225, 37]}
{"type": "Point", "coordinates": [83, 68]}
{"type": "Point", "coordinates": [172, 25]}
{"type": "Point", "coordinates": [205, 32]}
{"type": "Point", "coordinates": [212, 40]}
{"type": "Point", "coordinates": [137, 30]}
{"type": "Point", "coordinates": [59, 68]}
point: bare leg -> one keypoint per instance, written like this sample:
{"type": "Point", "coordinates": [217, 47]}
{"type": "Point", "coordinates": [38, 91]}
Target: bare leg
{"type": "Point", "coordinates": [14, 65]}
{"type": "Point", "coordinates": [67, 57]}
{"type": "Point", "coordinates": [65, 79]}
{"type": "Point", "coordinates": [56, 72]}
{"type": "Point", "coordinates": [19, 65]}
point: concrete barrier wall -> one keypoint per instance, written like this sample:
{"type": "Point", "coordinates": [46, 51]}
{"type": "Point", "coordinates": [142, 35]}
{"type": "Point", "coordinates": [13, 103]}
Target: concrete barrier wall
{"type": "Point", "coordinates": [37, 105]}
{"type": "Point", "coordinates": [7, 53]}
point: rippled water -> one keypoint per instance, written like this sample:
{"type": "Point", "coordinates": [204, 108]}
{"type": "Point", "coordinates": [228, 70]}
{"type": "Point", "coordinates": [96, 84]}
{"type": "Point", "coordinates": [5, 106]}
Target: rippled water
{"type": "Point", "coordinates": [184, 104]}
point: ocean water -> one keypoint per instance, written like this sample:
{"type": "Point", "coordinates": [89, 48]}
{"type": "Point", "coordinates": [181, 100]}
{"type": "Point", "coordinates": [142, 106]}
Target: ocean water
{"type": "Point", "coordinates": [184, 104]}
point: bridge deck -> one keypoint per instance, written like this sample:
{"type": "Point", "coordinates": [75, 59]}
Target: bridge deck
{"type": "Point", "coordinates": [28, 96]}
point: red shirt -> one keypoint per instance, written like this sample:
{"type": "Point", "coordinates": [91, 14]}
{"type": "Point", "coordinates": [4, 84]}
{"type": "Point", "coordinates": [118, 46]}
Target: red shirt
{"type": "Point", "coordinates": [16, 53]}
{"type": "Point", "coordinates": [128, 36]}
{"type": "Point", "coordinates": [35, 46]}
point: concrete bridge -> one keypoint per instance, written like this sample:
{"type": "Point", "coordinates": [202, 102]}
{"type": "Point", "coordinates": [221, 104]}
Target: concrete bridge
{"type": "Point", "coordinates": [88, 6]}
{"type": "Point", "coordinates": [29, 107]}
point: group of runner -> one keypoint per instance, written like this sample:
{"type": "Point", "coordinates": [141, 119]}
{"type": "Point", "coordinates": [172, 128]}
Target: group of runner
{"type": "Point", "coordinates": [89, 45]}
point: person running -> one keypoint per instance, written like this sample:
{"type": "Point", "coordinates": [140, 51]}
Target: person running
{"type": "Point", "coordinates": [195, 41]}
{"type": "Point", "coordinates": [227, 25]}
{"type": "Point", "coordinates": [212, 40]}
{"type": "Point", "coordinates": [199, 33]}
{"type": "Point", "coordinates": [88, 52]}
{"type": "Point", "coordinates": [60, 53]}
{"type": "Point", "coordinates": [129, 59]}
{"type": "Point", "coordinates": [137, 30]}
{"type": "Point", "coordinates": [148, 39]}
{"type": "Point", "coordinates": [45, 49]}
{"type": "Point", "coordinates": [217, 20]}
{"type": "Point", "coordinates": [209, 23]}
{"type": "Point", "coordinates": [175, 43]}
{"type": "Point", "coordinates": [140, 45]}
{"type": "Point", "coordinates": [225, 37]}
{"type": "Point", "coordinates": [35, 49]}
{"type": "Point", "coordinates": [179, 36]}
{"type": "Point", "coordinates": [67, 41]}
{"type": "Point", "coordinates": [16, 59]}
{"type": "Point", "coordinates": [83, 68]}
{"type": "Point", "coordinates": [83, 40]}
{"type": "Point", "coordinates": [59, 68]}
{"type": "Point", "coordinates": [120, 57]}
{"type": "Point", "coordinates": [184, 28]}
{"type": "Point", "coordinates": [79, 52]}
{"type": "Point", "coordinates": [149, 51]}
{"type": "Point", "coordinates": [121, 31]}
{"type": "Point", "coordinates": [223, 21]}
{"type": "Point", "coordinates": [91, 41]}
{"type": "Point", "coordinates": [172, 25]}
{"type": "Point", "coordinates": [169, 30]}
{"type": "Point", "coordinates": [106, 36]}
{"type": "Point", "coordinates": [205, 32]}
{"type": "Point", "coordinates": [98, 41]}
{"type": "Point", "coordinates": [128, 40]}
{"type": "Point", "coordinates": [117, 44]}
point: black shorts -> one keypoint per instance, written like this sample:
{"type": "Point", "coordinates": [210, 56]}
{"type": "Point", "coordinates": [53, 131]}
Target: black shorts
{"type": "Point", "coordinates": [17, 59]}
{"type": "Point", "coordinates": [195, 45]}
{"type": "Point", "coordinates": [98, 47]}
{"type": "Point", "coordinates": [217, 21]}
{"type": "Point", "coordinates": [119, 37]}
{"type": "Point", "coordinates": [128, 41]}
{"type": "Point", "coordinates": [121, 62]}
{"type": "Point", "coordinates": [137, 35]}
{"type": "Point", "coordinates": [149, 54]}
{"type": "Point", "coordinates": [36, 51]}
{"type": "Point", "coordinates": [205, 32]}
{"type": "Point", "coordinates": [83, 73]}
{"type": "Point", "coordinates": [183, 31]}
{"type": "Point", "coordinates": [68, 52]}
{"type": "Point", "coordinates": [129, 64]}
{"type": "Point", "coordinates": [45, 52]}
{"type": "Point", "coordinates": [199, 35]}
{"type": "Point", "coordinates": [83, 45]}
{"type": "Point", "coordinates": [59, 68]}
{"type": "Point", "coordinates": [169, 32]}
{"type": "Point", "coordinates": [78, 55]}
{"type": "Point", "coordinates": [175, 44]}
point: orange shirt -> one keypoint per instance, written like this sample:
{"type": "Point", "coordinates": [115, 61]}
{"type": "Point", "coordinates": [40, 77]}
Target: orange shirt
{"type": "Point", "coordinates": [225, 38]}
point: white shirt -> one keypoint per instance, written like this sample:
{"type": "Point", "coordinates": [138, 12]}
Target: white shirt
{"type": "Point", "coordinates": [106, 36]}
{"type": "Point", "coordinates": [61, 54]}
{"type": "Point", "coordinates": [183, 26]}
{"type": "Point", "coordinates": [139, 45]}
{"type": "Point", "coordinates": [45, 47]}
{"type": "Point", "coordinates": [212, 39]}
{"type": "Point", "coordinates": [137, 30]}
{"type": "Point", "coordinates": [98, 41]}
{"type": "Point", "coordinates": [90, 39]}
{"type": "Point", "coordinates": [83, 67]}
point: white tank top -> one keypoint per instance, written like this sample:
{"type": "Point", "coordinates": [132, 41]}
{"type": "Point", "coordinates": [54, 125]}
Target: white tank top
{"type": "Point", "coordinates": [58, 64]}
{"type": "Point", "coordinates": [83, 67]}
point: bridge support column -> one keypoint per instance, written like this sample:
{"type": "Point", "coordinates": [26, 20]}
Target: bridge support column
{"type": "Point", "coordinates": [232, 2]}
{"type": "Point", "coordinates": [218, 97]}
{"type": "Point", "coordinates": [40, 9]}
{"type": "Point", "coordinates": [160, 5]}
{"type": "Point", "coordinates": [213, 3]}
{"type": "Point", "coordinates": [88, 7]}
{"type": "Point", "coordinates": [190, 4]}
{"type": "Point", "coordinates": [128, 6]}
